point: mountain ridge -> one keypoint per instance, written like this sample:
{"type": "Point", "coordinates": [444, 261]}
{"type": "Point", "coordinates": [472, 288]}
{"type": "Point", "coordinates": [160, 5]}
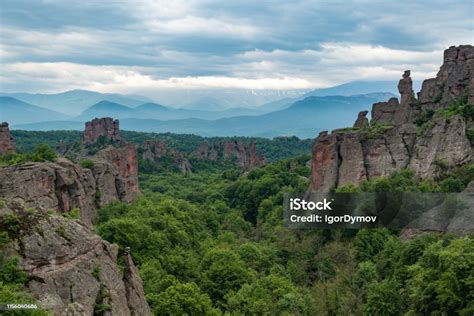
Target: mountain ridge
{"type": "Point", "coordinates": [297, 120]}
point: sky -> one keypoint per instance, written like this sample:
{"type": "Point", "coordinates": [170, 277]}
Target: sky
{"type": "Point", "coordinates": [142, 46]}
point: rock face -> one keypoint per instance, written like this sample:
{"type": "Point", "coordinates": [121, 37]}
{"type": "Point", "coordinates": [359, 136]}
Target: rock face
{"type": "Point", "coordinates": [6, 141]}
{"type": "Point", "coordinates": [245, 156]}
{"type": "Point", "coordinates": [72, 271]}
{"type": "Point", "coordinates": [64, 185]}
{"type": "Point", "coordinates": [405, 134]}
{"type": "Point", "coordinates": [452, 80]}
{"type": "Point", "coordinates": [101, 128]}
{"type": "Point", "coordinates": [116, 173]}
{"type": "Point", "coordinates": [458, 220]}
{"type": "Point", "coordinates": [59, 186]}
{"type": "Point", "coordinates": [134, 287]}
{"type": "Point", "coordinates": [156, 150]}
{"type": "Point", "coordinates": [153, 149]}
{"type": "Point", "coordinates": [325, 162]}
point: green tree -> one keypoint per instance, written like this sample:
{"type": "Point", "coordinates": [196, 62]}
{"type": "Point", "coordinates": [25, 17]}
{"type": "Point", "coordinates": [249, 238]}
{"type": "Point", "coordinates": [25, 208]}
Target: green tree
{"type": "Point", "coordinates": [383, 298]}
{"type": "Point", "coordinates": [270, 295]}
{"type": "Point", "coordinates": [222, 271]}
{"type": "Point", "coordinates": [442, 279]}
{"type": "Point", "coordinates": [369, 242]}
{"type": "Point", "coordinates": [183, 299]}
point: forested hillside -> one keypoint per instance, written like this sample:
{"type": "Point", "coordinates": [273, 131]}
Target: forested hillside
{"type": "Point", "coordinates": [214, 242]}
{"type": "Point", "coordinates": [273, 149]}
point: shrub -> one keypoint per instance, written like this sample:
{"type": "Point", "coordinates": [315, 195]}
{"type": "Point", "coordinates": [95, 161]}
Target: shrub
{"type": "Point", "coordinates": [424, 117]}
{"type": "Point", "coordinates": [74, 213]}
{"type": "Point", "coordinates": [470, 134]}
{"type": "Point", "coordinates": [87, 163]}
{"type": "Point", "coordinates": [451, 184]}
{"type": "Point", "coordinates": [41, 153]}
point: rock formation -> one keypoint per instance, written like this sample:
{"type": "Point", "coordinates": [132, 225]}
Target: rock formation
{"type": "Point", "coordinates": [155, 150]}
{"type": "Point", "coordinates": [63, 185]}
{"type": "Point", "coordinates": [405, 88]}
{"type": "Point", "coordinates": [6, 141]}
{"type": "Point", "coordinates": [245, 156]}
{"type": "Point", "coordinates": [134, 287]}
{"type": "Point", "coordinates": [70, 268]}
{"type": "Point", "coordinates": [101, 128]}
{"type": "Point", "coordinates": [452, 80]}
{"type": "Point", "coordinates": [457, 220]}
{"type": "Point", "coordinates": [59, 186]}
{"type": "Point", "coordinates": [116, 173]}
{"type": "Point", "coordinates": [362, 121]}
{"type": "Point", "coordinates": [405, 134]}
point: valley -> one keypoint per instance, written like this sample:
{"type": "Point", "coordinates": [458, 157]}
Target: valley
{"type": "Point", "coordinates": [108, 221]}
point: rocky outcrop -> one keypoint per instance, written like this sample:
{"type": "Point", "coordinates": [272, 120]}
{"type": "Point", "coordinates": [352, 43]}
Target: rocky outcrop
{"type": "Point", "coordinates": [206, 152]}
{"type": "Point", "coordinates": [156, 150]}
{"type": "Point", "coordinates": [362, 121]}
{"type": "Point", "coordinates": [405, 88]}
{"type": "Point", "coordinates": [7, 146]}
{"type": "Point", "coordinates": [445, 217]}
{"type": "Point", "coordinates": [63, 185]}
{"type": "Point", "coordinates": [244, 155]}
{"type": "Point", "coordinates": [72, 271]}
{"type": "Point", "coordinates": [454, 79]}
{"type": "Point", "coordinates": [383, 112]}
{"type": "Point", "coordinates": [59, 186]}
{"type": "Point", "coordinates": [134, 287]}
{"type": "Point", "coordinates": [153, 149]}
{"type": "Point", "coordinates": [101, 129]}
{"type": "Point", "coordinates": [325, 162]}
{"type": "Point", "coordinates": [181, 160]}
{"type": "Point", "coordinates": [116, 173]}
{"type": "Point", "coordinates": [412, 133]}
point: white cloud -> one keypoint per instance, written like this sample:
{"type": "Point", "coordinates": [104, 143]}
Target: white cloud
{"type": "Point", "coordinates": [190, 25]}
{"type": "Point", "coordinates": [335, 63]}
{"type": "Point", "coordinates": [63, 76]}
{"type": "Point", "coordinates": [341, 62]}
{"type": "Point", "coordinates": [188, 18]}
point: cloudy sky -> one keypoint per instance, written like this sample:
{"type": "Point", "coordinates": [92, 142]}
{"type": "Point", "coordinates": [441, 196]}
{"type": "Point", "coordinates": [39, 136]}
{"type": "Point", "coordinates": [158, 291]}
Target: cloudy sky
{"type": "Point", "coordinates": [144, 45]}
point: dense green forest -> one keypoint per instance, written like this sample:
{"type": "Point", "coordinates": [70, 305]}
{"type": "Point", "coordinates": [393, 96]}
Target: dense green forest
{"type": "Point", "coordinates": [212, 243]}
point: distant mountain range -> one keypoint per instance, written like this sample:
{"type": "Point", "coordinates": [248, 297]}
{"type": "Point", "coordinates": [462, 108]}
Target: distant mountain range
{"type": "Point", "coordinates": [360, 87]}
{"type": "Point", "coordinates": [74, 102]}
{"type": "Point", "coordinates": [304, 118]}
{"type": "Point", "coordinates": [237, 101]}
{"type": "Point", "coordinates": [19, 112]}
{"type": "Point", "coordinates": [160, 112]}
{"type": "Point", "coordinates": [299, 114]}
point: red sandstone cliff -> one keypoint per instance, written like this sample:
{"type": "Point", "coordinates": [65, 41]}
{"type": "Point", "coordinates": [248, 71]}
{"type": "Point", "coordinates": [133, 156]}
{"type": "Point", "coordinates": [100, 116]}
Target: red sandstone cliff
{"type": "Point", "coordinates": [70, 268]}
{"type": "Point", "coordinates": [397, 138]}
